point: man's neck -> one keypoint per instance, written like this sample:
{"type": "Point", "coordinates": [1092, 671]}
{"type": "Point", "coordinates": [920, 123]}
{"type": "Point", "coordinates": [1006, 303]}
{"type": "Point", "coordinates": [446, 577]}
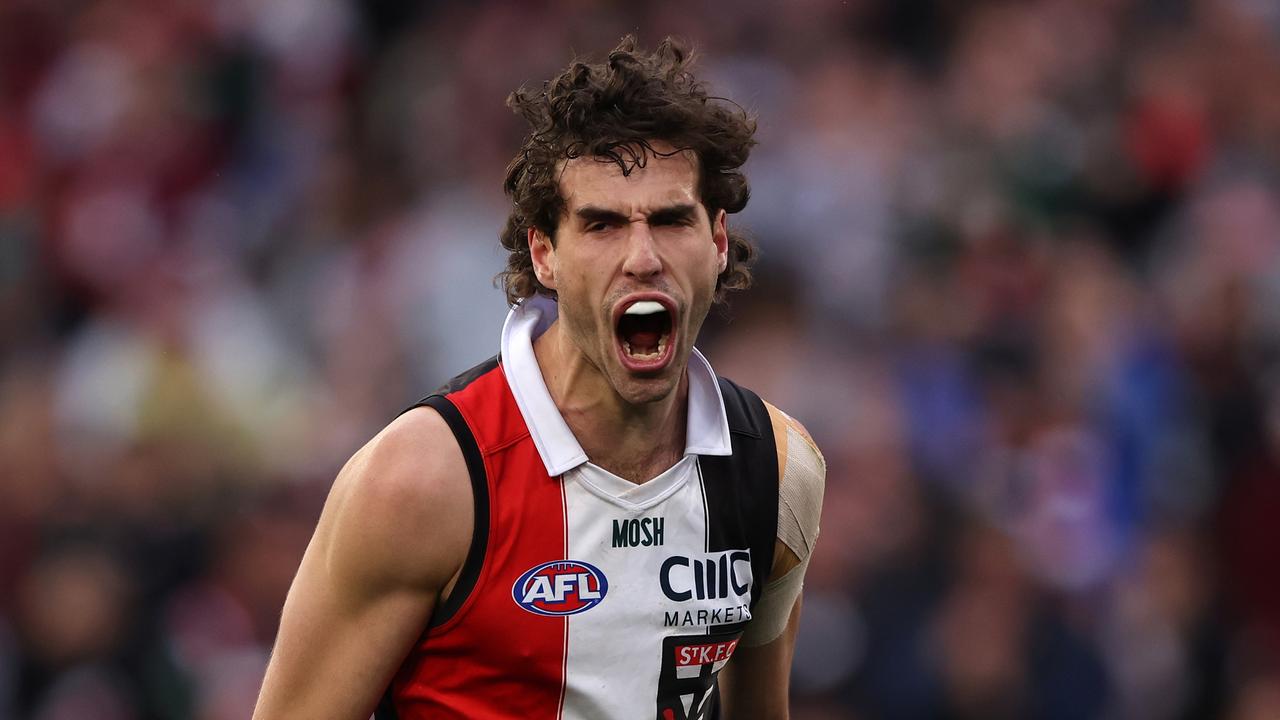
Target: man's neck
{"type": "Point", "coordinates": [635, 442]}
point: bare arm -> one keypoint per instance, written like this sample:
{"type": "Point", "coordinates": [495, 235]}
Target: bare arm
{"type": "Point", "coordinates": [755, 685]}
{"type": "Point", "coordinates": [393, 534]}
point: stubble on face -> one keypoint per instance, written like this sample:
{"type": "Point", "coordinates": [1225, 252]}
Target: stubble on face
{"type": "Point", "coordinates": [648, 248]}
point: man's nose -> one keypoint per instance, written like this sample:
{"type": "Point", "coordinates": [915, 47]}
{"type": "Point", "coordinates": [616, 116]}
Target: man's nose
{"type": "Point", "coordinates": [642, 260]}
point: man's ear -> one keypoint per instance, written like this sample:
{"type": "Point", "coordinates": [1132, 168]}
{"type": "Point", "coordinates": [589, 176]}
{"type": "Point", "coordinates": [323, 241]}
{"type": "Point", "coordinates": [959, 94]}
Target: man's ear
{"type": "Point", "coordinates": [543, 254]}
{"type": "Point", "coordinates": [720, 236]}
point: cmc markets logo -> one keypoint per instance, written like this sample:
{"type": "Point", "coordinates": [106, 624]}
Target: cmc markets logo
{"type": "Point", "coordinates": [712, 576]}
{"type": "Point", "coordinates": [560, 587]}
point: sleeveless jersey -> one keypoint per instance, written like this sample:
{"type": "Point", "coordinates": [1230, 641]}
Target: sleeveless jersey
{"type": "Point", "coordinates": [583, 595]}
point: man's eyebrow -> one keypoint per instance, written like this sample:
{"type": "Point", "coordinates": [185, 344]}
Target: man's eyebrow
{"type": "Point", "coordinates": [591, 214]}
{"type": "Point", "coordinates": [673, 214]}
{"type": "Point", "coordinates": [663, 215]}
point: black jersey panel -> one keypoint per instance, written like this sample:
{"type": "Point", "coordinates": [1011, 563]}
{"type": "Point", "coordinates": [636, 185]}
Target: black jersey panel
{"type": "Point", "coordinates": [742, 490]}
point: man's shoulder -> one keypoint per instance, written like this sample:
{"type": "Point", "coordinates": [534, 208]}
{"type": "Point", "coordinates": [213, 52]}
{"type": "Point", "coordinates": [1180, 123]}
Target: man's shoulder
{"type": "Point", "coordinates": [464, 379]}
{"type": "Point", "coordinates": [411, 475]}
{"type": "Point", "coordinates": [784, 423]}
{"type": "Point", "coordinates": [802, 473]}
{"type": "Point", "coordinates": [481, 408]}
{"type": "Point", "coordinates": [415, 459]}
{"type": "Point", "coordinates": [735, 393]}
{"type": "Point", "coordinates": [410, 444]}
{"type": "Point", "coordinates": [744, 409]}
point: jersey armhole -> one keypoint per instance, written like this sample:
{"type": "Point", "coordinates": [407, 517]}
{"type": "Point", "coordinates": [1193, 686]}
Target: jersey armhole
{"type": "Point", "coordinates": [470, 573]}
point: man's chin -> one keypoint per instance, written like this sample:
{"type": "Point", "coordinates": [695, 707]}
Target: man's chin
{"type": "Point", "coordinates": [641, 390]}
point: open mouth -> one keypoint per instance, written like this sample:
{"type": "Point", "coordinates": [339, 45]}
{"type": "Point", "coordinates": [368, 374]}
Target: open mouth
{"type": "Point", "coordinates": [645, 332]}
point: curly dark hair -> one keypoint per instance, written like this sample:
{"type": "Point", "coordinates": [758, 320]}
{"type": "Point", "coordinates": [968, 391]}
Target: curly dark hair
{"type": "Point", "coordinates": [614, 111]}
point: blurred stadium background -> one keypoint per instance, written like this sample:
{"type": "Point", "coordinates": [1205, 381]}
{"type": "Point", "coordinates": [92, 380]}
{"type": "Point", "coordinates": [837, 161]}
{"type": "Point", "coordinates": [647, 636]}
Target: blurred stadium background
{"type": "Point", "coordinates": [1020, 277]}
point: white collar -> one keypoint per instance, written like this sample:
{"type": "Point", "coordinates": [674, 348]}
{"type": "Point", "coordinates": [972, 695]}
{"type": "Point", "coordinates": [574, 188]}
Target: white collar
{"type": "Point", "coordinates": [707, 424]}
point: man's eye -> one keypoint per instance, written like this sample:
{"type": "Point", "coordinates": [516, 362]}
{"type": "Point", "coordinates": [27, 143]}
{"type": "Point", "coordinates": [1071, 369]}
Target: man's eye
{"type": "Point", "coordinates": [597, 227]}
{"type": "Point", "coordinates": [671, 221]}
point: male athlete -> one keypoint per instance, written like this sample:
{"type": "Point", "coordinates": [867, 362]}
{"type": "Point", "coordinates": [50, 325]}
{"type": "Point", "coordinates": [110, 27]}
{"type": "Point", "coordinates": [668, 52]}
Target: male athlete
{"type": "Point", "coordinates": [591, 525]}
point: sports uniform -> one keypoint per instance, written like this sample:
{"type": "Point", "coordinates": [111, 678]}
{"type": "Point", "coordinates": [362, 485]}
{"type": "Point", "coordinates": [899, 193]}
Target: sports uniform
{"type": "Point", "coordinates": [584, 595]}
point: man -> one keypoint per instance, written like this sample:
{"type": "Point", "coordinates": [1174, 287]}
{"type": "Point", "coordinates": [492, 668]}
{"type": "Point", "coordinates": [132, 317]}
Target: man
{"type": "Point", "coordinates": [591, 525]}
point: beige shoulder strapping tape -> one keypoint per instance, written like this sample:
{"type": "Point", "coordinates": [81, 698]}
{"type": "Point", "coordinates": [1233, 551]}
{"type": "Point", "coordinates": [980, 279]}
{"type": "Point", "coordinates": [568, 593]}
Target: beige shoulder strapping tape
{"type": "Point", "coordinates": [804, 478]}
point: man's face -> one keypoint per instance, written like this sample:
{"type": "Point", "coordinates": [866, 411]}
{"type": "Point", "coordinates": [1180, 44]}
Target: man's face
{"type": "Point", "coordinates": [634, 264]}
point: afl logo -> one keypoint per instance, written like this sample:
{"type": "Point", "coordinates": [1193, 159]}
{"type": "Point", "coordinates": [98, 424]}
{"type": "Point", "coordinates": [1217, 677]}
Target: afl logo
{"type": "Point", "coordinates": [561, 587]}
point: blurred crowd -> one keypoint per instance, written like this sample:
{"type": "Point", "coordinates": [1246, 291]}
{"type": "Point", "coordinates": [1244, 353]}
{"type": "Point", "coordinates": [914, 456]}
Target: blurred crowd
{"type": "Point", "coordinates": [1020, 277]}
